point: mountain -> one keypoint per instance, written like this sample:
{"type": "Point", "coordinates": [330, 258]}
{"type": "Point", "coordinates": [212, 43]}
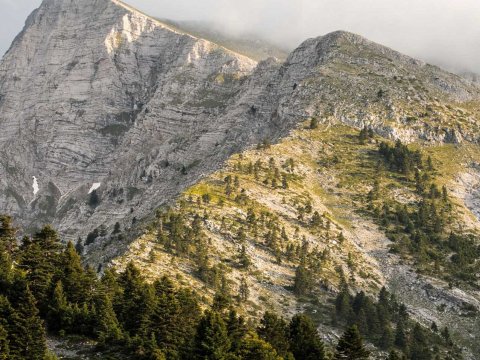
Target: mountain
{"type": "Point", "coordinates": [131, 126]}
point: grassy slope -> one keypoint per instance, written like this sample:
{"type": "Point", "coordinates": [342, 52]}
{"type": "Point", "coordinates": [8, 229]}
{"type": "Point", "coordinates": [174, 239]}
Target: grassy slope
{"type": "Point", "coordinates": [334, 172]}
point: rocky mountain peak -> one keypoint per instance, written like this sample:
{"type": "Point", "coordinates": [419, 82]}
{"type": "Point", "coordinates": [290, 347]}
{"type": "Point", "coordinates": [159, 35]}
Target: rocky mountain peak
{"type": "Point", "coordinates": [94, 92]}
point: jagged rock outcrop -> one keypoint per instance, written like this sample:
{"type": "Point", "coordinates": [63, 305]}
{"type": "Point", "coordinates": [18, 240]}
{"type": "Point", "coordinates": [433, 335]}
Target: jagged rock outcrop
{"type": "Point", "coordinates": [93, 91]}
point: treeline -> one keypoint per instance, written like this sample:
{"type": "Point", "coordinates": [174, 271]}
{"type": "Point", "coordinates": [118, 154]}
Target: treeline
{"type": "Point", "coordinates": [424, 230]}
{"type": "Point", "coordinates": [386, 323]}
{"type": "Point", "coordinates": [45, 289]}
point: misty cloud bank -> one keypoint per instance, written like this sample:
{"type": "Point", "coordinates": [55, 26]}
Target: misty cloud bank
{"type": "Point", "coordinates": [443, 32]}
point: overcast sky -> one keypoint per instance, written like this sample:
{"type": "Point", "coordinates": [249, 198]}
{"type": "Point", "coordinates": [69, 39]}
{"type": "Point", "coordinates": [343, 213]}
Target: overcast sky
{"type": "Point", "coordinates": [444, 32]}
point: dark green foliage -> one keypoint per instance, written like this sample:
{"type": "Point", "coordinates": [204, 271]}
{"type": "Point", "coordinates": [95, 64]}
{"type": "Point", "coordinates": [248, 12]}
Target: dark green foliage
{"type": "Point", "coordinates": [274, 330]}
{"type": "Point", "coordinates": [41, 254]}
{"type": "Point", "coordinates": [254, 348]}
{"type": "Point", "coordinates": [116, 228]}
{"type": "Point", "coordinates": [92, 236]}
{"type": "Point", "coordinates": [386, 324]}
{"type": "Point", "coordinates": [212, 341]}
{"type": "Point", "coordinates": [313, 123]}
{"type": "Point", "coordinates": [419, 348]}
{"type": "Point", "coordinates": [305, 342]}
{"type": "Point", "coordinates": [94, 199]}
{"type": "Point", "coordinates": [400, 158]}
{"type": "Point", "coordinates": [25, 328]}
{"type": "Point", "coordinates": [124, 313]}
{"type": "Point", "coordinates": [365, 134]}
{"type": "Point", "coordinates": [303, 281]}
{"type": "Point", "coordinates": [425, 230]}
{"type": "Point", "coordinates": [4, 347]}
{"type": "Point", "coordinates": [350, 346]}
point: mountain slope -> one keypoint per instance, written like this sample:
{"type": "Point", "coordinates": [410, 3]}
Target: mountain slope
{"type": "Point", "coordinates": [329, 172]}
{"type": "Point", "coordinates": [137, 104]}
{"type": "Point", "coordinates": [116, 115]}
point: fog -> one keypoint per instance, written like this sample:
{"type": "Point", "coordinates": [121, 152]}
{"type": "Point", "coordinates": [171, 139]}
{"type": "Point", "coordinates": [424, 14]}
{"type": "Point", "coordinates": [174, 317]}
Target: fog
{"type": "Point", "coordinates": [443, 32]}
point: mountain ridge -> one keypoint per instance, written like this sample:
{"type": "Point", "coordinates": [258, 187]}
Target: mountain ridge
{"type": "Point", "coordinates": [118, 117]}
{"type": "Point", "coordinates": [267, 99]}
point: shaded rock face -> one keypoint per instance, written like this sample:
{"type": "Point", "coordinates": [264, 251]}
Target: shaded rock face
{"type": "Point", "coordinates": [93, 91]}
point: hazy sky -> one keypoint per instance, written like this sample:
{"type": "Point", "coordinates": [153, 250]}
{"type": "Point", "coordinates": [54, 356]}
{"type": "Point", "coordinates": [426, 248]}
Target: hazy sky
{"type": "Point", "coordinates": [445, 32]}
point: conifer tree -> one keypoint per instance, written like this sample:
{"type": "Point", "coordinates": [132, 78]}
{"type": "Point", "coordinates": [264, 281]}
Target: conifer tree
{"type": "Point", "coordinates": [4, 348]}
{"type": "Point", "coordinates": [303, 281]}
{"type": "Point", "coordinates": [400, 336]}
{"type": "Point", "coordinates": [107, 328]}
{"type": "Point", "coordinates": [243, 291]}
{"type": "Point", "coordinates": [8, 240]}
{"type": "Point", "coordinates": [164, 319]}
{"type": "Point", "coordinates": [350, 346]}
{"type": "Point", "coordinates": [73, 275]}
{"type": "Point", "coordinates": [211, 341]}
{"type": "Point", "coordinates": [419, 349]}
{"type": "Point", "coordinates": [60, 315]}
{"type": "Point", "coordinates": [274, 330]}
{"type": "Point", "coordinates": [305, 343]}
{"type": "Point", "coordinates": [236, 329]}
{"type": "Point", "coordinates": [137, 298]}
{"type": "Point", "coordinates": [40, 255]}
{"type": "Point", "coordinates": [27, 329]}
{"type": "Point", "coordinates": [253, 347]}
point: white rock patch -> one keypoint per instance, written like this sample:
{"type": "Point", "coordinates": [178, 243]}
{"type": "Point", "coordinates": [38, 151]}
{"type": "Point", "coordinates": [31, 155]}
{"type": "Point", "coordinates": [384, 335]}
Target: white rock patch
{"type": "Point", "coordinates": [94, 187]}
{"type": "Point", "coordinates": [35, 186]}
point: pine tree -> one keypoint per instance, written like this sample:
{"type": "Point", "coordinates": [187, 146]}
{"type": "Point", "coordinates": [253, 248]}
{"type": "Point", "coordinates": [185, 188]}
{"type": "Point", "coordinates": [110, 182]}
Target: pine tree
{"type": "Point", "coordinates": [419, 349]}
{"type": "Point", "coordinates": [94, 199]}
{"type": "Point", "coordinates": [26, 330]}
{"type": "Point", "coordinates": [73, 276]}
{"type": "Point", "coordinates": [342, 304]}
{"type": "Point", "coordinates": [8, 240]}
{"type": "Point", "coordinates": [165, 319]}
{"type": "Point", "coordinates": [305, 343]}
{"type": "Point", "coordinates": [236, 329]}
{"type": "Point", "coordinates": [243, 291]}
{"type": "Point", "coordinates": [60, 316]}
{"type": "Point", "coordinates": [107, 328]}
{"type": "Point", "coordinates": [284, 181]}
{"type": "Point", "coordinates": [211, 341]}
{"type": "Point", "coordinates": [386, 339]}
{"type": "Point", "coordinates": [244, 259]}
{"type": "Point", "coordinates": [4, 348]}
{"type": "Point", "coordinates": [40, 255]}
{"type": "Point", "coordinates": [137, 298]}
{"type": "Point", "coordinates": [400, 336]}
{"type": "Point", "coordinates": [274, 330]}
{"type": "Point", "coordinates": [253, 347]}
{"type": "Point", "coordinates": [350, 346]}
{"type": "Point", "coordinates": [303, 283]}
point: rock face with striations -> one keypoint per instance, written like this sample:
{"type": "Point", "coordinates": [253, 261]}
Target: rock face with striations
{"type": "Point", "coordinates": [93, 92]}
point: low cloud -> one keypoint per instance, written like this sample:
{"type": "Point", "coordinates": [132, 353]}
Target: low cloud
{"type": "Point", "coordinates": [443, 32]}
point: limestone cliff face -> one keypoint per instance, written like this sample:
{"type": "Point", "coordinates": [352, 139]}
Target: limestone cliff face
{"type": "Point", "coordinates": [95, 92]}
